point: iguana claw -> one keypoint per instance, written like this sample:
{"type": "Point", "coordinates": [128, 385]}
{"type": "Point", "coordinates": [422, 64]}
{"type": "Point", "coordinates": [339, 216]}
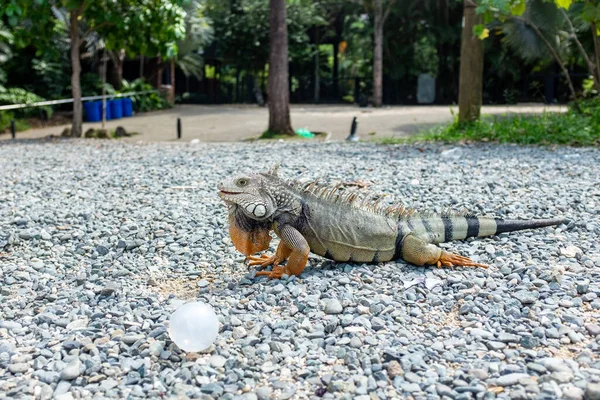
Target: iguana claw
{"type": "Point", "coordinates": [450, 260]}
{"type": "Point", "coordinates": [263, 260]}
{"type": "Point", "coordinates": [276, 273]}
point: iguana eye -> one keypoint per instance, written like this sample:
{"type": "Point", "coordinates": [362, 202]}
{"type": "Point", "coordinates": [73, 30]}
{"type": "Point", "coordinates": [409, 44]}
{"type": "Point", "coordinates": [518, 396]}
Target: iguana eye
{"type": "Point", "coordinates": [242, 182]}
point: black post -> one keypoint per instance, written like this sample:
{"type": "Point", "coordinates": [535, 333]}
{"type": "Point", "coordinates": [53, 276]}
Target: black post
{"type": "Point", "coordinates": [12, 129]}
{"type": "Point", "coordinates": [352, 137]}
{"type": "Point", "coordinates": [178, 128]}
{"type": "Point", "coordinates": [43, 116]}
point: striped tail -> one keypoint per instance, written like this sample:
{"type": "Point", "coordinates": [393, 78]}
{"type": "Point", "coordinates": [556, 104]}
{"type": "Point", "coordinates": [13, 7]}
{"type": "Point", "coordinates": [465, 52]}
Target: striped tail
{"type": "Point", "coordinates": [485, 226]}
{"type": "Point", "coordinates": [439, 229]}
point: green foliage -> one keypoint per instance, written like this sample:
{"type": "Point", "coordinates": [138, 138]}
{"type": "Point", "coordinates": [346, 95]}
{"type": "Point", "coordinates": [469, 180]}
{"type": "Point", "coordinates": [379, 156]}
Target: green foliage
{"type": "Point", "coordinates": [5, 51]}
{"type": "Point", "coordinates": [6, 117]}
{"type": "Point", "coordinates": [426, 56]}
{"type": "Point", "coordinates": [568, 128]}
{"type": "Point", "coordinates": [273, 135]}
{"type": "Point", "coordinates": [144, 102]}
{"type": "Point", "coordinates": [241, 29]}
{"type": "Point", "coordinates": [91, 85]}
{"type": "Point", "coordinates": [22, 96]}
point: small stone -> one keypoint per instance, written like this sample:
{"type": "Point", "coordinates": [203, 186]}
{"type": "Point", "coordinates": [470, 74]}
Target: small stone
{"type": "Point", "coordinates": [109, 289]}
{"type": "Point", "coordinates": [570, 251]}
{"type": "Point", "coordinates": [479, 374]}
{"type": "Point", "coordinates": [131, 339]}
{"type": "Point", "coordinates": [530, 342]}
{"type": "Point", "coordinates": [593, 329]}
{"type": "Point", "coordinates": [562, 376]}
{"type": "Point", "coordinates": [333, 306]}
{"type": "Point", "coordinates": [102, 250]}
{"type": "Point", "coordinates": [526, 296]}
{"type": "Point", "coordinates": [443, 390]}
{"type": "Point", "coordinates": [10, 325]}
{"type": "Point", "coordinates": [592, 391]}
{"type": "Point", "coordinates": [202, 283]}
{"type": "Point", "coordinates": [71, 371]}
{"type": "Point", "coordinates": [239, 332]}
{"type": "Point", "coordinates": [263, 392]}
{"type": "Point", "coordinates": [583, 286]}
{"type": "Point", "coordinates": [217, 361]}
{"type": "Point", "coordinates": [77, 324]}
{"type": "Point", "coordinates": [18, 368]}
{"type": "Point", "coordinates": [573, 393]}
{"type": "Point", "coordinates": [510, 379]}
{"type": "Point", "coordinates": [394, 369]}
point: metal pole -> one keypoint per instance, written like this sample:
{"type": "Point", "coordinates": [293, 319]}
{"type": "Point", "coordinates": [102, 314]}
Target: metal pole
{"type": "Point", "coordinates": [178, 128]}
{"type": "Point", "coordinates": [104, 59]}
{"type": "Point", "coordinates": [43, 116]}
{"type": "Point", "coordinates": [352, 137]}
{"type": "Point", "coordinates": [12, 128]}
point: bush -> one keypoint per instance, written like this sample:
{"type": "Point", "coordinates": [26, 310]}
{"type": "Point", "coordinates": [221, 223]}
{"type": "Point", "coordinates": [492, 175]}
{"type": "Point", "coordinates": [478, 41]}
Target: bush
{"type": "Point", "coordinates": [91, 85]}
{"type": "Point", "coordinates": [6, 117]}
{"type": "Point", "coordinates": [144, 102]}
{"type": "Point", "coordinates": [22, 96]}
{"type": "Point", "coordinates": [566, 128]}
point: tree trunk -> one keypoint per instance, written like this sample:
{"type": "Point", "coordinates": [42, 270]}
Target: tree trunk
{"type": "Point", "coordinates": [278, 88]}
{"type": "Point", "coordinates": [470, 90]}
{"type": "Point", "coordinates": [596, 50]}
{"type": "Point", "coordinates": [104, 59]}
{"type": "Point", "coordinates": [317, 76]}
{"type": "Point", "coordinates": [336, 68]}
{"type": "Point", "coordinates": [76, 127]}
{"type": "Point", "coordinates": [141, 66]}
{"type": "Point", "coordinates": [378, 55]}
{"type": "Point", "coordinates": [172, 92]}
{"type": "Point", "coordinates": [116, 76]}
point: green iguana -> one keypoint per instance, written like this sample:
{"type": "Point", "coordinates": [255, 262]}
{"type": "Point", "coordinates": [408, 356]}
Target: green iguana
{"type": "Point", "coordinates": [340, 225]}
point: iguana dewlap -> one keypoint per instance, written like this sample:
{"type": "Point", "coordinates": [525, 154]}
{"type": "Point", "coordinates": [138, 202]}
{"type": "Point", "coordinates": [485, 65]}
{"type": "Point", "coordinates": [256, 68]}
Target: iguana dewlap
{"type": "Point", "coordinates": [337, 224]}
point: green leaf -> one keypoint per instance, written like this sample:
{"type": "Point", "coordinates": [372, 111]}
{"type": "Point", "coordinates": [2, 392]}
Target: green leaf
{"type": "Point", "coordinates": [563, 3]}
{"type": "Point", "coordinates": [478, 30]}
{"type": "Point", "coordinates": [518, 9]}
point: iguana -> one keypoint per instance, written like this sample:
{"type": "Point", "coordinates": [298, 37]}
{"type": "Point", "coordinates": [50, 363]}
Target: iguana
{"type": "Point", "coordinates": [339, 224]}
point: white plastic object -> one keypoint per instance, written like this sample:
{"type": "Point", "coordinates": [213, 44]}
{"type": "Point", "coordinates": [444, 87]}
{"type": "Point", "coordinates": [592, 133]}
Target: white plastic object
{"type": "Point", "coordinates": [194, 326]}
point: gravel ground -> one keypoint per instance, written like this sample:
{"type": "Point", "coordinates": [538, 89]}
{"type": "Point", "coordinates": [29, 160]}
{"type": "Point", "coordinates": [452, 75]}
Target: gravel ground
{"type": "Point", "coordinates": [101, 241]}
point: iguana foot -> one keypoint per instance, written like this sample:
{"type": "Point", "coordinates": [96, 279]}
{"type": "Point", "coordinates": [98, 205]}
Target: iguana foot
{"type": "Point", "coordinates": [451, 260]}
{"type": "Point", "coordinates": [277, 272]}
{"type": "Point", "coordinates": [263, 260]}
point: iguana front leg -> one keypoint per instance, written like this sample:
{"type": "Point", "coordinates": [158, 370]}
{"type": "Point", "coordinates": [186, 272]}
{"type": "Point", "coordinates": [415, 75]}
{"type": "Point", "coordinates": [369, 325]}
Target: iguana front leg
{"type": "Point", "coordinates": [419, 252]}
{"type": "Point", "coordinates": [293, 247]}
{"type": "Point", "coordinates": [282, 253]}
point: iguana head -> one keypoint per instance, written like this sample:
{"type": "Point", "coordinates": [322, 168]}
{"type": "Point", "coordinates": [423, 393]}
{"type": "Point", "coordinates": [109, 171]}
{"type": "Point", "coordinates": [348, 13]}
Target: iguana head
{"type": "Point", "coordinates": [249, 193]}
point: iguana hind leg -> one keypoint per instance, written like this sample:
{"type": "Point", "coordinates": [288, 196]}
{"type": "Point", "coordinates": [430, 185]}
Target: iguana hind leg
{"type": "Point", "coordinates": [419, 252]}
{"type": "Point", "coordinates": [292, 245]}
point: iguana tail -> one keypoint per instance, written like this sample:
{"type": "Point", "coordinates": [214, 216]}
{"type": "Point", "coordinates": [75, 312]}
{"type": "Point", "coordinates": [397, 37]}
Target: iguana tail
{"type": "Point", "coordinates": [486, 226]}
{"type": "Point", "coordinates": [447, 228]}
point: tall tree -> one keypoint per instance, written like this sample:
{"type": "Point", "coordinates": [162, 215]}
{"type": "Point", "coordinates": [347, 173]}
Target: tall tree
{"type": "Point", "coordinates": [379, 21]}
{"type": "Point", "coordinates": [278, 86]}
{"type": "Point", "coordinates": [140, 25]}
{"type": "Point", "coordinates": [470, 86]}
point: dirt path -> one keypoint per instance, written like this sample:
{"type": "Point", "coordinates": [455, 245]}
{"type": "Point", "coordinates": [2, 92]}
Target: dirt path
{"type": "Point", "coordinates": [217, 123]}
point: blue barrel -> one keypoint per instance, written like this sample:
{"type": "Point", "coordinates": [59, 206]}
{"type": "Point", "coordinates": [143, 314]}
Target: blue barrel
{"type": "Point", "coordinates": [108, 110]}
{"type": "Point", "coordinates": [127, 107]}
{"type": "Point", "coordinates": [93, 111]}
{"type": "Point", "coordinates": [116, 108]}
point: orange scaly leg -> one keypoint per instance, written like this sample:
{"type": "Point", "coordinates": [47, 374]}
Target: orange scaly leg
{"type": "Point", "coordinates": [292, 245]}
{"type": "Point", "coordinates": [450, 260]}
{"type": "Point", "coordinates": [419, 252]}
{"type": "Point", "coordinates": [264, 260]}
